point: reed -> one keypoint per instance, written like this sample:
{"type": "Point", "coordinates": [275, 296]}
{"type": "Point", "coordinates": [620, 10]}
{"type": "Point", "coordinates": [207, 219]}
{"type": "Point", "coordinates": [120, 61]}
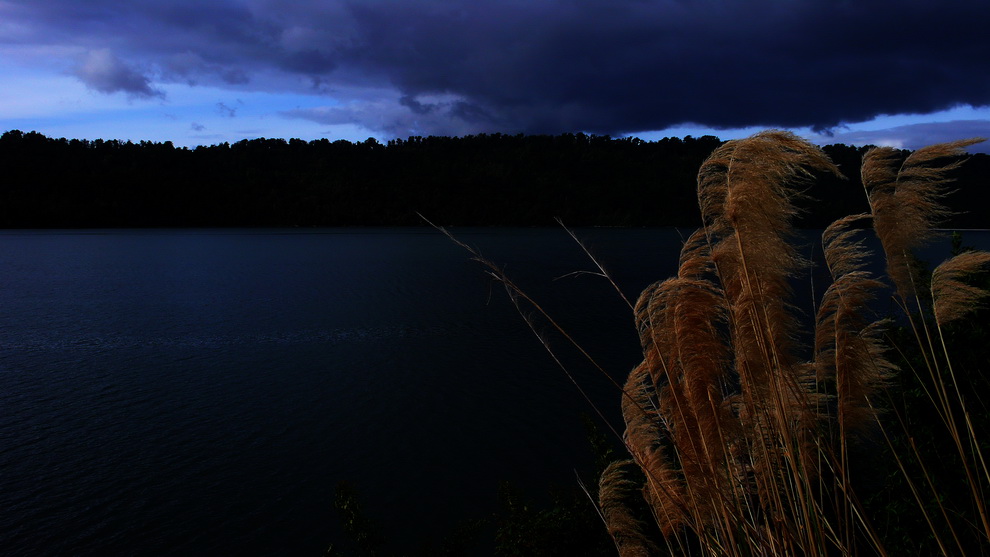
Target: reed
{"type": "Point", "coordinates": [747, 440]}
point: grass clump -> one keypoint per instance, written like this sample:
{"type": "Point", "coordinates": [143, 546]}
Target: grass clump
{"type": "Point", "coordinates": [745, 437]}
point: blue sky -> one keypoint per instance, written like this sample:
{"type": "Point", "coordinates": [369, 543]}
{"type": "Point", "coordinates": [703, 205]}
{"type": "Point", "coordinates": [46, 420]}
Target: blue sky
{"type": "Point", "coordinates": [871, 71]}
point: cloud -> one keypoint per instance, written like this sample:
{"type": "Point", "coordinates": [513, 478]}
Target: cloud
{"type": "Point", "coordinates": [103, 71]}
{"type": "Point", "coordinates": [560, 66]}
{"type": "Point", "coordinates": [227, 111]}
{"type": "Point", "coordinates": [432, 115]}
{"type": "Point", "coordinates": [197, 127]}
{"type": "Point", "coordinates": [191, 68]}
{"type": "Point", "coordinates": [547, 66]}
{"type": "Point", "coordinates": [914, 136]}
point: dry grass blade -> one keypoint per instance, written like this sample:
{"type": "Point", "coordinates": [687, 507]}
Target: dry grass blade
{"type": "Point", "coordinates": [518, 297]}
{"type": "Point", "coordinates": [602, 271]}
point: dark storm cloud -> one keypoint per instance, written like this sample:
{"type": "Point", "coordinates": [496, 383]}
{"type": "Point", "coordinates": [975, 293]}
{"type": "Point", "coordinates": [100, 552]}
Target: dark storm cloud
{"type": "Point", "coordinates": [605, 66]}
{"type": "Point", "coordinates": [628, 66]}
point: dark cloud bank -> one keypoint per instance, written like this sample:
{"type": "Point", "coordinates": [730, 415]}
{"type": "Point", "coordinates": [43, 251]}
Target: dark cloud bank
{"type": "Point", "coordinates": [546, 66]}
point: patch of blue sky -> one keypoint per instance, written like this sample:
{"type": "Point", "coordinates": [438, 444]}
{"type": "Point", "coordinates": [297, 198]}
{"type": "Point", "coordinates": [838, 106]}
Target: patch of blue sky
{"type": "Point", "coordinates": [60, 106]}
{"type": "Point", "coordinates": [887, 121]}
{"type": "Point", "coordinates": [896, 130]}
{"type": "Point", "coordinates": [696, 130]}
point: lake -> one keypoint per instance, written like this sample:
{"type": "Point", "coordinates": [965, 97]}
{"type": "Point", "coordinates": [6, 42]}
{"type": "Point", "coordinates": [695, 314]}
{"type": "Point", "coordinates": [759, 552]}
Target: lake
{"type": "Point", "coordinates": [202, 392]}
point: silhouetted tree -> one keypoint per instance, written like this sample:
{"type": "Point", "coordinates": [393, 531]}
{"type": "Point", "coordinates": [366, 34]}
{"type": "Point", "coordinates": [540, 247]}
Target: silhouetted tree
{"type": "Point", "coordinates": [485, 179]}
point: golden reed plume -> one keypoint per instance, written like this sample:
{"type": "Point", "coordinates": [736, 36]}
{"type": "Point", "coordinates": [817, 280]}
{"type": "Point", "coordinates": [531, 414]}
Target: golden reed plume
{"type": "Point", "coordinates": [951, 296]}
{"type": "Point", "coordinates": [614, 491]}
{"type": "Point", "coordinates": [905, 199]}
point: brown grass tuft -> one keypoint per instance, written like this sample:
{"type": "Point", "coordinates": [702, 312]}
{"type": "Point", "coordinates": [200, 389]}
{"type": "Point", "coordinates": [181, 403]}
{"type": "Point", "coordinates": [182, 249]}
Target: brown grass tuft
{"type": "Point", "coordinates": [615, 491]}
{"type": "Point", "coordinates": [952, 297]}
{"type": "Point", "coordinates": [905, 199]}
{"type": "Point", "coordinates": [848, 344]}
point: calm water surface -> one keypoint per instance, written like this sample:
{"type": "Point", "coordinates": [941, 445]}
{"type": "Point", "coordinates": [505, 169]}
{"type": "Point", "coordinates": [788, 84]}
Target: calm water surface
{"type": "Point", "coordinates": [202, 392]}
{"type": "Point", "coordinates": [196, 392]}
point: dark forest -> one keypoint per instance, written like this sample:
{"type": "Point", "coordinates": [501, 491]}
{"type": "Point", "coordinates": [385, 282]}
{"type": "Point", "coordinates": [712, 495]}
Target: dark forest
{"type": "Point", "coordinates": [481, 180]}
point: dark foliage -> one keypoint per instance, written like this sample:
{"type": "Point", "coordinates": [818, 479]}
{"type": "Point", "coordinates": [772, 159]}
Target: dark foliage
{"type": "Point", "coordinates": [558, 520]}
{"type": "Point", "coordinates": [475, 180]}
{"type": "Point", "coordinates": [362, 531]}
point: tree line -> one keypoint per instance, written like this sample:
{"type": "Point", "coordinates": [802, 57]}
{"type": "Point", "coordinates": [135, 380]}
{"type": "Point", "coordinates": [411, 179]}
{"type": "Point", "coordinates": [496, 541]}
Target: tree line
{"type": "Point", "coordinates": [483, 180]}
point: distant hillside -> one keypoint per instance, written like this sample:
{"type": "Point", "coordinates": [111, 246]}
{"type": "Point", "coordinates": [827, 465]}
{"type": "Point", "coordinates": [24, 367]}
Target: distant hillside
{"type": "Point", "coordinates": [474, 180]}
